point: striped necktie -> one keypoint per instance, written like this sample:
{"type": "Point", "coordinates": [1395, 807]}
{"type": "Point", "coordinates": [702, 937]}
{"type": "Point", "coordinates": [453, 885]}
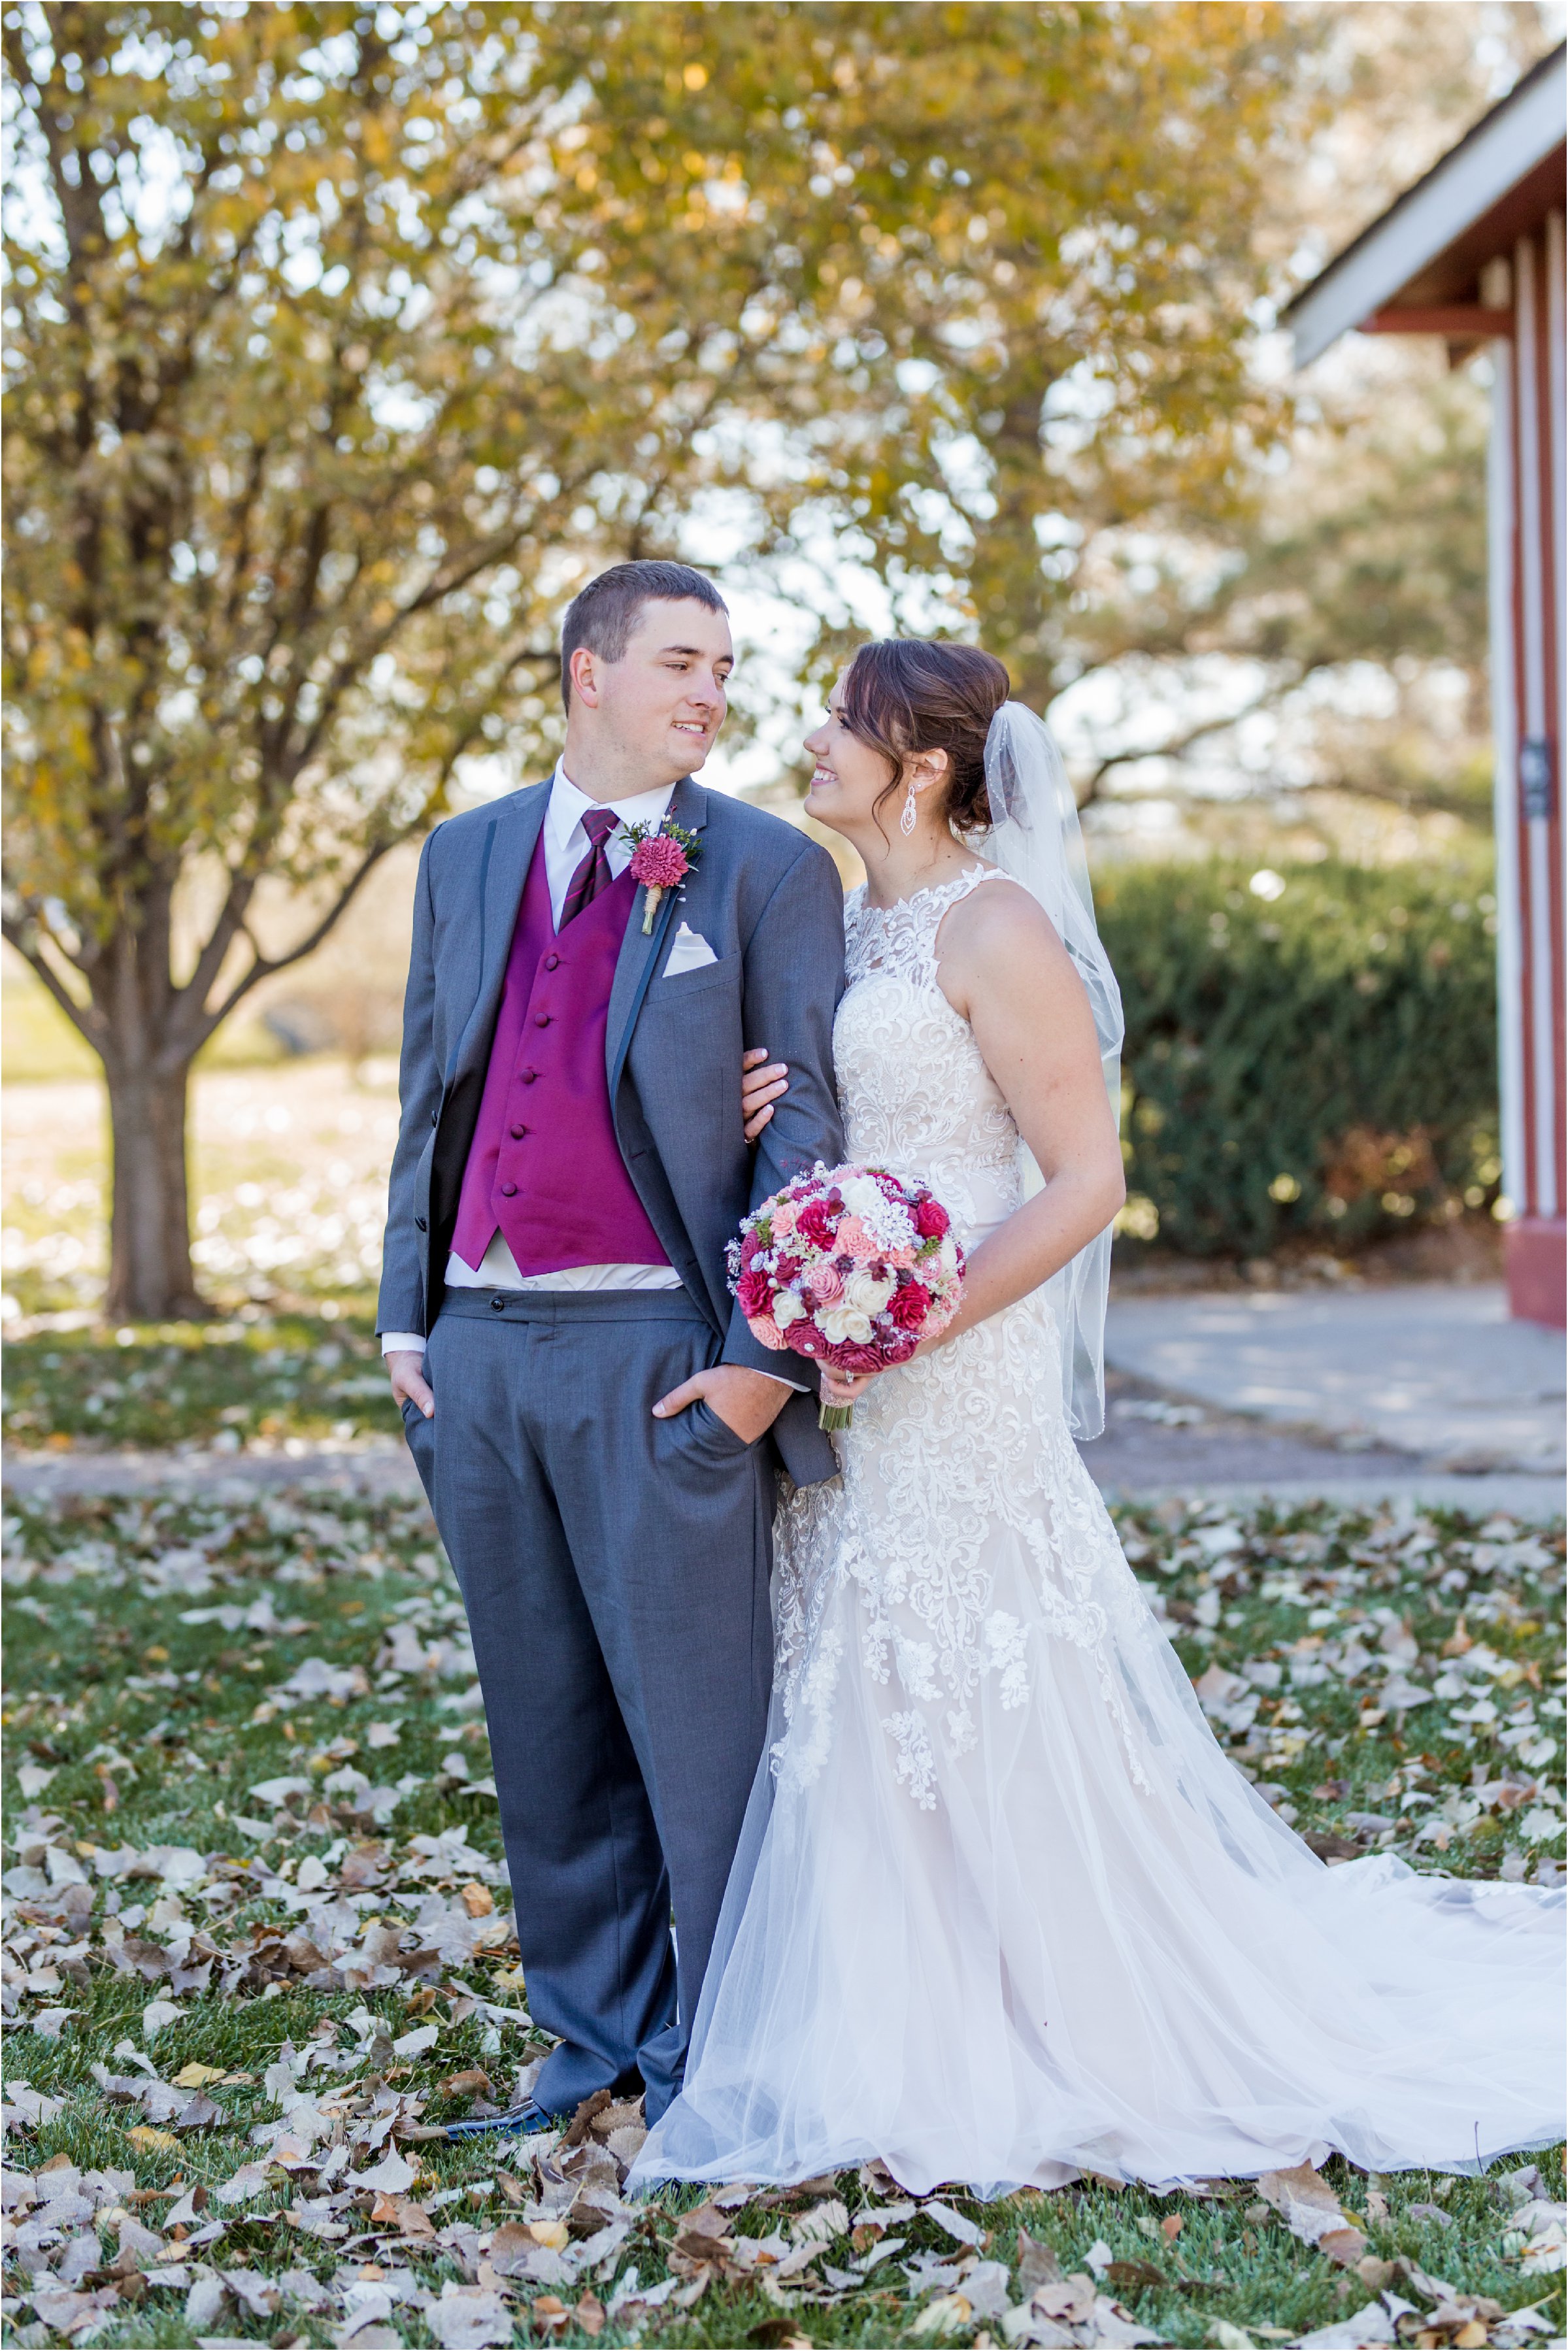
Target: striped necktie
{"type": "Point", "coordinates": [593, 874]}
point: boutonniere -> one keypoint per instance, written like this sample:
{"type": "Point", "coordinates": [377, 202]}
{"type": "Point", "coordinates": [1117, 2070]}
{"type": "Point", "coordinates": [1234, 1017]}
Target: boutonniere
{"type": "Point", "coordinates": [662, 856]}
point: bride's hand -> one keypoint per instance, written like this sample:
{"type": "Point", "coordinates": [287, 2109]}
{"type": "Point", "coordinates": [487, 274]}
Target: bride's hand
{"type": "Point", "coordinates": [851, 1388]}
{"type": "Point", "coordinates": [761, 1088]}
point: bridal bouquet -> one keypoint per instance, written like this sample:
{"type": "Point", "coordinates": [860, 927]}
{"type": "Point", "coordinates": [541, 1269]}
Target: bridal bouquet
{"type": "Point", "coordinates": [850, 1266]}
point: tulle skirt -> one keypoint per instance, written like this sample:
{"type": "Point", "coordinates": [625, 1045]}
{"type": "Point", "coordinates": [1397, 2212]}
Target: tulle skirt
{"type": "Point", "coordinates": [1003, 1912]}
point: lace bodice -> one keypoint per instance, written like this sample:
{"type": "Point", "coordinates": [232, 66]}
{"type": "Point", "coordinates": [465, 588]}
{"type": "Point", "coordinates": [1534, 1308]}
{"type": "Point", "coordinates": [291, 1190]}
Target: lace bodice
{"type": "Point", "coordinates": [916, 1096]}
{"type": "Point", "coordinates": [959, 1470]}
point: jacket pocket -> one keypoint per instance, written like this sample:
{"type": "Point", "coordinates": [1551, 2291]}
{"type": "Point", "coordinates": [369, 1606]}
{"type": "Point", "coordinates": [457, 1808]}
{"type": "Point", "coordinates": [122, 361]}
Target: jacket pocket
{"type": "Point", "coordinates": [684, 985]}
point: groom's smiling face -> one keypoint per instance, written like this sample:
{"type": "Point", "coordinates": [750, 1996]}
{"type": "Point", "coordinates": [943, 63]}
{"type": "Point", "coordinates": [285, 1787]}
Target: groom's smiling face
{"type": "Point", "coordinates": [656, 713]}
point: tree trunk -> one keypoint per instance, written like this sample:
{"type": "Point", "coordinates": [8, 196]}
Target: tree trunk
{"type": "Point", "coordinates": [150, 1276]}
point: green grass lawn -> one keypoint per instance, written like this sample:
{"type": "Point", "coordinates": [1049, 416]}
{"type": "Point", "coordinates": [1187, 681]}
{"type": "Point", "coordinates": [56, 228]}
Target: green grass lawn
{"type": "Point", "coordinates": [228, 1384]}
{"type": "Point", "coordinates": [257, 1919]}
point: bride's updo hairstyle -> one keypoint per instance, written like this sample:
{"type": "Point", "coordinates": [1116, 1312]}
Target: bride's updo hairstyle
{"type": "Point", "coordinates": [906, 694]}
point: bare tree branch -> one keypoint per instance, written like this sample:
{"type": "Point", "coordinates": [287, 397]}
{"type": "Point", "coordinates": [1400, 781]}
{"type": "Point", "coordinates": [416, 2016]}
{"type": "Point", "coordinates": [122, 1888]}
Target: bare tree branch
{"type": "Point", "coordinates": [82, 1017]}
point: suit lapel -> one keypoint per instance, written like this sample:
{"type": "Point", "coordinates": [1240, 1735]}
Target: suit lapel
{"type": "Point", "coordinates": [508, 850]}
{"type": "Point", "coordinates": [640, 951]}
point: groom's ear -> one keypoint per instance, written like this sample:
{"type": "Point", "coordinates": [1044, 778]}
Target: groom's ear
{"type": "Point", "coordinates": [584, 669]}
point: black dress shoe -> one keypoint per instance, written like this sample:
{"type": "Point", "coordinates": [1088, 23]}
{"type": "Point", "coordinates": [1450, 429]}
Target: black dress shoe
{"type": "Point", "coordinates": [525, 2119]}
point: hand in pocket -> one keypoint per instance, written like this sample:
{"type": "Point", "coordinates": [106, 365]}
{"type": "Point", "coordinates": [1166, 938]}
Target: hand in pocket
{"type": "Point", "coordinates": [409, 1384]}
{"type": "Point", "coordinates": [747, 1403]}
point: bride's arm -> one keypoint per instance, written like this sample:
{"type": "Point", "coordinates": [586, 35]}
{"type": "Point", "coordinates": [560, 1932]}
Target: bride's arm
{"type": "Point", "coordinates": [1003, 967]}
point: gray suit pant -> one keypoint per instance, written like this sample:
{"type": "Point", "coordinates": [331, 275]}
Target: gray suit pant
{"type": "Point", "coordinates": [615, 1571]}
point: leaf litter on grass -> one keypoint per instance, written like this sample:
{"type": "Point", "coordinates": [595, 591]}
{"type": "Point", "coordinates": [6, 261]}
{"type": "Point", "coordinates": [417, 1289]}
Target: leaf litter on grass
{"type": "Point", "coordinates": [248, 1977]}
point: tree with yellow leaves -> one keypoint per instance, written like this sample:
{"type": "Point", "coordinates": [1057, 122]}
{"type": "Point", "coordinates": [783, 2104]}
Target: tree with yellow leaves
{"type": "Point", "coordinates": [346, 340]}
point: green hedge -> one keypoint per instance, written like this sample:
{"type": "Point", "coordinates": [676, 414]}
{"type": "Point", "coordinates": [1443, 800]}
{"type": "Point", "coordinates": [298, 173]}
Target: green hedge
{"type": "Point", "coordinates": [1321, 1062]}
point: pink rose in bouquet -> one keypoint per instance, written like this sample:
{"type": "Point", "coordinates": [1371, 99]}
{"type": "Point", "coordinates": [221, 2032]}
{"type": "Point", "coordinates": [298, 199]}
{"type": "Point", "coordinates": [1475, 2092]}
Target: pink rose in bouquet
{"type": "Point", "coordinates": [849, 1266]}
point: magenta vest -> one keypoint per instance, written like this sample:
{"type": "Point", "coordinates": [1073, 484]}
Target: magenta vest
{"type": "Point", "coordinates": [544, 1164]}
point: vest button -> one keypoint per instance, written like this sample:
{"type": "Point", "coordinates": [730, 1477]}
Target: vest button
{"type": "Point", "coordinates": [517, 1134]}
{"type": "Point", "coordinates": [551, 961]}
{"type": "Point", "coordinates": [497, 1305]}
{"type": "Point", "coordinates": [541, 1020]}
{"type": "Point", "coordinates": [509, 1191]}
{"type": "Point", "coordinates": [528, 1076]}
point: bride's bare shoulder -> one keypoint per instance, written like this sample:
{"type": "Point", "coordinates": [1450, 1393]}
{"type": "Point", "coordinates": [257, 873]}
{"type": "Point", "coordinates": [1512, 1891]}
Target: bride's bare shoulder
{"type": "Point", "coordinates": [997, 917]}
{"type": "Point", "coordinates": [997, 941]}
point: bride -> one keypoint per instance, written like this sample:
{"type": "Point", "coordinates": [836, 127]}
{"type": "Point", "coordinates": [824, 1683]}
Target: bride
{"type": "Point", "coordinates": [1003, 1912]}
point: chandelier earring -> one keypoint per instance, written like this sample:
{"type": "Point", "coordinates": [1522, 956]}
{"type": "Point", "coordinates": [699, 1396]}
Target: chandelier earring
{"type": "Point", "coordinates": [906, 818]}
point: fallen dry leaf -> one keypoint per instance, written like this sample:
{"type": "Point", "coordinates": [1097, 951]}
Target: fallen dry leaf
{"type": "Point", "coordinates": [699, 2244]}
{"type": "Point", "coordinates": [944, 2315]}
{"type": "Point", "coordinates": [1130, 2274]}
{"type": "Point", "coordinates": [471, 2083]}
{"type": "Point", "coordinates": [145, 2140]}
{"type": "Point", "coordinates": [582, 2121]}
{"type": "Point", "coordinates": [965, 2230]}
{"type": "Point", "coordinates": [195, 2076]}
{"type": "Point", "coordinates": [477, 1900]}
{"type": "Point", "coordinates": [1311, 2211]}
{"type": "Point", "coordinates": [1071, 2299]}
{"type": "Point", "coordinates": [822, 2222]}
{"type": "Point", "coordinates": [1329, 1846]}
{"type": "Point", "coordinates": [400, 2212]}
{"type": "Point", "coordinates": [589, 2313]}
{"type": "Point", "coordinates": [707, 2220]}
{"type": "Point", "coordinates": [1037, 2263]}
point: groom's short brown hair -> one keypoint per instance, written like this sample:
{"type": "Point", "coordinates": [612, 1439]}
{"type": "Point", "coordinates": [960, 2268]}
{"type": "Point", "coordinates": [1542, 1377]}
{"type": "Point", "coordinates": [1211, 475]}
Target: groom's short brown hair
{"type": "Point", "coordinates": [603, 616]}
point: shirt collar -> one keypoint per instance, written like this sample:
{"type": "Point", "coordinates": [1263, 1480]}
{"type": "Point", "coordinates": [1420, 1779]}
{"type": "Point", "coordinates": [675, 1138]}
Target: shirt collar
{"type": "Point", "coordinates": [567, 805]}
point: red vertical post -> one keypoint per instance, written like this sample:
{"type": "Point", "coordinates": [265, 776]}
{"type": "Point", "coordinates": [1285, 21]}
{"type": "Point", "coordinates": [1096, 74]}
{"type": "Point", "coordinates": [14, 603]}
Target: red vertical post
{"type": "Point", "coordinates": [1537, 1258]}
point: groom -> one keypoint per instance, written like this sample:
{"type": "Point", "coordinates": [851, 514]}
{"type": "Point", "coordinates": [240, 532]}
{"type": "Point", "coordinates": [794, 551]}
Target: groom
{"type": "Point", "coordinates": [596, 1428]}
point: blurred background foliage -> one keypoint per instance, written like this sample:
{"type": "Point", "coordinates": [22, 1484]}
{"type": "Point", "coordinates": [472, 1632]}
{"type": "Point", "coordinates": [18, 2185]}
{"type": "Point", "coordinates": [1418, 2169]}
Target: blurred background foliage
{"type": "Point", "coordinates": [344, 343]}
{"type": "Point", "coordinates": [1310, 1054]}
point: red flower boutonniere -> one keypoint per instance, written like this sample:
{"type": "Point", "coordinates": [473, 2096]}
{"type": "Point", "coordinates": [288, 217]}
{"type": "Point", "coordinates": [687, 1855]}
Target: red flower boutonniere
{"type": "Point", "coordinates": [662, 857]}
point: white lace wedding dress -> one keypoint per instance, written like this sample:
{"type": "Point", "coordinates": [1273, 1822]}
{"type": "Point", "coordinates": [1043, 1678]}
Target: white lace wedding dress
{"type": "Point", "coordinates": [1003, 1911]}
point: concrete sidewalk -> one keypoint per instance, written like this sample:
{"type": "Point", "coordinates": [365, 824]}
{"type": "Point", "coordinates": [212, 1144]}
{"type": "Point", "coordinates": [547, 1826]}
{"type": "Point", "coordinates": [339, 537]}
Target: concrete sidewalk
{"type": "Point", "coordinates": [1428, 1370]}
{"type": "Point", "coordinates": [1426, 1393]}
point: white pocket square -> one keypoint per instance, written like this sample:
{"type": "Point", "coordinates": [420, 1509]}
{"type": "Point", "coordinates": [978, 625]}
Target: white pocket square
{"type": "Point", "coordinates": [690, 953]}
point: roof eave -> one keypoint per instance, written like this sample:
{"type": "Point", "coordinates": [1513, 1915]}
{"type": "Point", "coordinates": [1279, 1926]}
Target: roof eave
{"type": "Point", "coordinates": [1503, 147]}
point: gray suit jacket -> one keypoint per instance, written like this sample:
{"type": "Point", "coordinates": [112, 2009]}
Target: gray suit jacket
{"type": "Point", "coordinates": [770, 904]}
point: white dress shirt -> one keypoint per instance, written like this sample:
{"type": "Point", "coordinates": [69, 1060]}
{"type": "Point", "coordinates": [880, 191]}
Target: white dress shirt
{"type": "Point", "coordinates": [566, 844]}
